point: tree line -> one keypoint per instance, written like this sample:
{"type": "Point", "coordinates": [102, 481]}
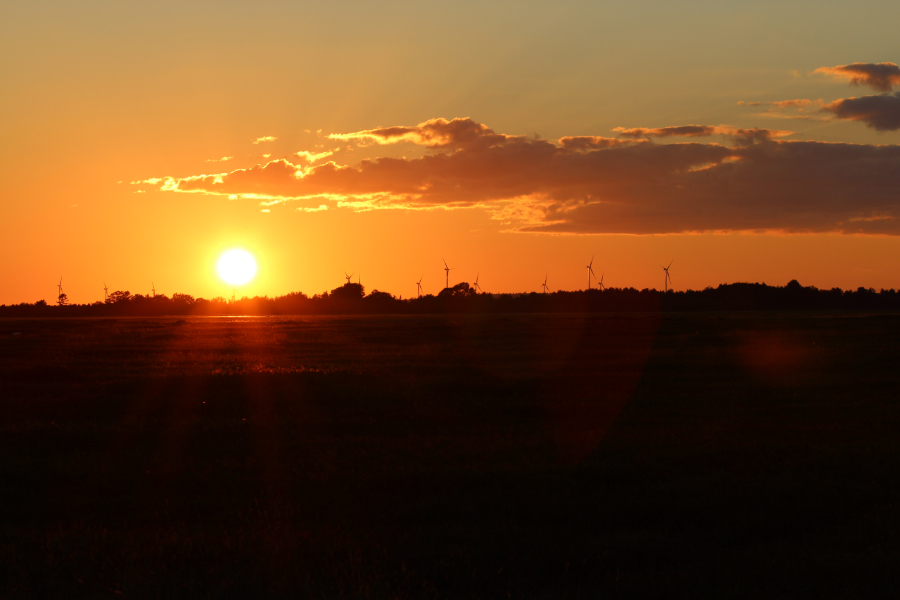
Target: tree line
{"type": "Point", "coordinates": [351, 298]}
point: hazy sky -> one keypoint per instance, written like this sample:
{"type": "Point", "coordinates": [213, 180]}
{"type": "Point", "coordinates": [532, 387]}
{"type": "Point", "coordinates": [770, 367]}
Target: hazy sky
{"type": "Point", "coordinates": [514, 139]}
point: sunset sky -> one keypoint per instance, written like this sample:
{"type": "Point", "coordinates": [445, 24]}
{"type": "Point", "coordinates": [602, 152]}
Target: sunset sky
{"type": "Point", "coordinates": [748, 141]}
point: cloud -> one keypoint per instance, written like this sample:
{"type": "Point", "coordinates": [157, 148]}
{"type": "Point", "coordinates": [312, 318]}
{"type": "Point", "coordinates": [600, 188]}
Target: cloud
{"type": "Point", "coordinates": [265, 138]}
{"type": "Point", "coordinates": [223, 159]}
{"type": "Point", "coordinates": [781, 109]}
{"type": "Point", "coordinates": [796, 103]}
{"type": "Point", "coordinates": [320, 208]}
{"type": "Point", "coordinates": [737, 135]}
{"type": "Point", "coordinates": [682, 130]}
{"type": "Point", "coordinates": [591, 142]}
{"type": "Point", "coordinates": [436, 133]}
{"type": "Point", "coordinates": [881, 113]}
{"type": "Point", "coordinates": [587, 184]}
{"type": "Point", "coordinates": [313, 156]}
{"type": "Point", "coordinates": [878, 76]}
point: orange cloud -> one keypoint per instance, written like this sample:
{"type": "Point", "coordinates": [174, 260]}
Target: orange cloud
{"type": "Point", "coordinates": [266, 138]}
{"type": "Point", "coordinates": [797, 103]}
{"type": "Point", "coordinates": [878, 76]}
{"type": "Point", "coordinates": [881, 113]}
{"type": "Point", "coordinates": [314, 156]}
{"type": "Point", "coordinates": [436, 133]}
{"type": "Point", "coordinates": [781, 108]}
{"type": "Point", "coordinates": [587, 184]}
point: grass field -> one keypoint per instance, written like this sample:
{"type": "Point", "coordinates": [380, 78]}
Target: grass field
{"type": "Point", "coordinates": [530, 456]}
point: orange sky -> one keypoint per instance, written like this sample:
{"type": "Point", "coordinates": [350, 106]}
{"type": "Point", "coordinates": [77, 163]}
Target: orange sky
{"type": "Point", "coordinates": [513, 139]}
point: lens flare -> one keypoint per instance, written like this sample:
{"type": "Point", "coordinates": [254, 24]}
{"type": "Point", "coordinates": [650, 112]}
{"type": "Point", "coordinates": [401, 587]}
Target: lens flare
{"type": "Point", "coordinates": [236, 267]}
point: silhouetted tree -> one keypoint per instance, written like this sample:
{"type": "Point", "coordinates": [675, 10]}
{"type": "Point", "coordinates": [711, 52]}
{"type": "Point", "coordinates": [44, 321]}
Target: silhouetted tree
{"type": "Point", "coordinates": [460, 290]}
{"type": "Point", "coordinates": [349, 292]}
{"type": "Point", "coordinates": [119, 296]}
{"type": "Point", "coordinates": [184, 299]}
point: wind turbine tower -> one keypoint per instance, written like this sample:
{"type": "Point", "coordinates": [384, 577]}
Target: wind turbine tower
{"type": "Point", "coordinates": [591, 273]}
{"type": "Point", "coordinates": [59, 296]}
{"type": "Point", "coordinates": [668, 278]}
{"type": "Point", "coordinates": [105, 292]}
{"type": "Point", "coordinates": [447, 269]}
{"type": "Point", "coordinates": [153, 289]}
{"type": "Point", "coordinates": [544, 285]}
{"type": "Point", "coordinates": [419, 286]}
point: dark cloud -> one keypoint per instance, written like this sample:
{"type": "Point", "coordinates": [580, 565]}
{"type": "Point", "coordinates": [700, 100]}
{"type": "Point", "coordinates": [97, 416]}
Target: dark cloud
{"type": "Point", "coordinates": [591, 142]}
{"type": "Point", "coordinates": [586, 184]}
{"type": "Point", "coordinates": [881, 113]}
{"type": "Point", "coordinates": [661, 132]}
{"type": "Point", "coordinates": [878, 76]}
{"type": "Point", "coordinates": [734, 134]}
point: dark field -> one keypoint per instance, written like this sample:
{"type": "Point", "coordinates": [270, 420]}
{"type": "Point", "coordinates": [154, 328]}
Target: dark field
{"type": "Point", "coordinates": [530, 456]}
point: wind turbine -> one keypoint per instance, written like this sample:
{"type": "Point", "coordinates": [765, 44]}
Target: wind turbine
{"type": "Point", "coordinates": [591, 273]}
{"type": "Point", "coordinates": [668, 278]}
{"type": "Point", "coordinates": [447, 269]}
{"type": "Point", "coordinates": [153, 288]}
{"type": "Point", "coordinates": [419, 286]}
{"type": "Point", "coordinates": [600, 283]}
{"type": "Point", "coordinates": [544, 285]}
{"type": "Point", "coordinates": [59, 297]}
{"type": "Point", "coordinates": [478, 287]}
{"type": "Point", "coordinates": [348, 276]}
{"type": "Point", "coordinates": [105, 292]}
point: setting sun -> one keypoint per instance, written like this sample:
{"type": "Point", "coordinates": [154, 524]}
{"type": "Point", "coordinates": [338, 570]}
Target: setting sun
{"type": "Point", "coordinates": [236, 267]}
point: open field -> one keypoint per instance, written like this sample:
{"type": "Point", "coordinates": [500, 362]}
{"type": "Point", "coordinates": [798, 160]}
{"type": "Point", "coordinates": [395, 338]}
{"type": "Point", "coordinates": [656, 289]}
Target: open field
{"type": "Point", "coordinates": [528, 456]}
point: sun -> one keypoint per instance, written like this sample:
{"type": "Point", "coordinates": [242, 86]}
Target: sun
{"type": "Point", "coordinates": [236, 267]}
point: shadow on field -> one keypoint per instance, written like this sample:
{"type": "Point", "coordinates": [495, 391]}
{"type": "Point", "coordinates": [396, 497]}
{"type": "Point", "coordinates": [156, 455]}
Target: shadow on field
{"type": "Point", "coordinates": [530, 456]}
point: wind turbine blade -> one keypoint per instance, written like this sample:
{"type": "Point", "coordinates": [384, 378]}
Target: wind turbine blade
{"type": "Point", "coordinates": [592, 261]}
{"type": "Point", "coordinates": [670, 264]}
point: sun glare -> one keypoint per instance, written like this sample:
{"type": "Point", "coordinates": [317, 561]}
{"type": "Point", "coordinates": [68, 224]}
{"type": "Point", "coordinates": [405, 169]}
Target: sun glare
{"type": "Point", "coordinates": [236, 267]}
